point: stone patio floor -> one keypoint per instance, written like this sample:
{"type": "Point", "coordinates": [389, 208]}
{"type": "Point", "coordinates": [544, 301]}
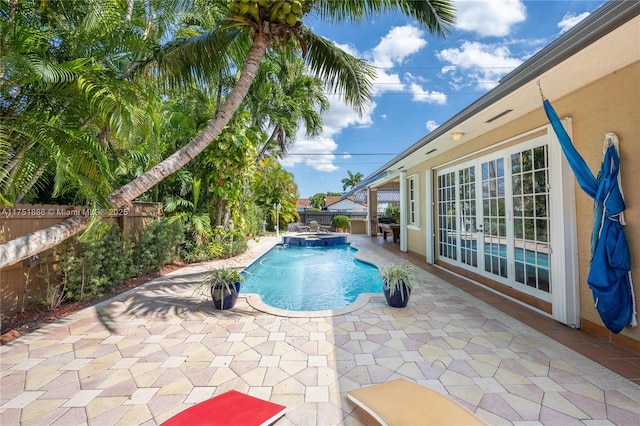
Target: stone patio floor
{"type": "Point", "coordinates": [144, 356]}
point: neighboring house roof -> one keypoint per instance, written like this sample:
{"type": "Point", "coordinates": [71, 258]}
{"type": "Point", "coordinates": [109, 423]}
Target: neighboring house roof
{"type": "Point", "coordinates": [331, 199]}
{"type": "Point", "coordinates": [518, 93]}
{"type": "Point", "coordinates": [304, 203]}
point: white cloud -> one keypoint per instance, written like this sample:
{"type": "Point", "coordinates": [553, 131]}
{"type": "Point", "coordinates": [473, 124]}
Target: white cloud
{"type": "Point", "coordinates": [397, 45]}
{"type": "Point", "coordinates": [392, 50]}
{"type": "Point", "coordinates": [386, 82]}
{"type": "Point", "coordinates": [320, 153]}
{"type": "Point", "coordinates": [349, 48]}
{"type": "Point", "coordinates": [421, 95]}
{"type": "Point", "coordinates": [308, 151]}
{"type": "Point", "coordinates": [431, 125]}
{"type": "Point", "coordinates": [569, 20]}
{"type": "Point", "coordinates": [477, 64]}
{"type": "Point", "coordinates": [414, 78]}
{"type": "Point", "coordinates": [494, 18]}
{"type": "Point", "coordinates": [341, 115]}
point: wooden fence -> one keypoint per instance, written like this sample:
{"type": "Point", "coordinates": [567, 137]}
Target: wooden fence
{"type": "Point", "coordinates": [23, 219]}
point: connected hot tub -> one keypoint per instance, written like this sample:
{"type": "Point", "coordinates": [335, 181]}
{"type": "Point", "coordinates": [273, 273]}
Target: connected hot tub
{"type": "Point", "coordinates": [315, 240]}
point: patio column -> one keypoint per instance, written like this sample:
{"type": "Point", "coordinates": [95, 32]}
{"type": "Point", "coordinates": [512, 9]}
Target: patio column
{"type": "Point", "coordinates": [403, 211]}
{"type": "Point", "coordinates": [372, 212]}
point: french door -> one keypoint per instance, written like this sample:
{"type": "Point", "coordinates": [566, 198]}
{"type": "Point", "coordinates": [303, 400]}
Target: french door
{"type": "Point", "coordinates": [493, 218]}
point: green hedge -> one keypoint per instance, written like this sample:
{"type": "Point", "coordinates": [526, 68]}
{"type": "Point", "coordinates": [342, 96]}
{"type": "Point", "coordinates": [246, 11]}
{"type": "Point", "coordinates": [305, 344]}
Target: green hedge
{"type": "Point", "coordinates": [88, 270]}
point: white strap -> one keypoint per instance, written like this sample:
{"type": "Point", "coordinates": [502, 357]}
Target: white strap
{"type": "Point", "coordinates": [612, 139]}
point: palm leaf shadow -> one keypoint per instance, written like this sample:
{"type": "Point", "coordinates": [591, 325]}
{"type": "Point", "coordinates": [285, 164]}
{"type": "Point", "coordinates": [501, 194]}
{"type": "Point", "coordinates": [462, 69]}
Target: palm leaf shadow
{"type": "Point", "coordinates": [167, 297]}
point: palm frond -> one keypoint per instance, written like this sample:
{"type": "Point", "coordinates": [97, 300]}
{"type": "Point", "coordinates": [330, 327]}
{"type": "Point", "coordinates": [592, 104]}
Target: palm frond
{"type": "Point", "coordinates": [437, 16]}
{"type": "Point", "coordinates": [350, 77]}
{"type": "Point", "coordinates": [196, 59]}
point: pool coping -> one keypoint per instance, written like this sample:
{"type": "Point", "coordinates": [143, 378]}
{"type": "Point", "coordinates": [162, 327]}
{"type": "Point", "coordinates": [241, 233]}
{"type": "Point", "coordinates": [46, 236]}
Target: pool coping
{"type": "Point", "coordinates": [255, 301]}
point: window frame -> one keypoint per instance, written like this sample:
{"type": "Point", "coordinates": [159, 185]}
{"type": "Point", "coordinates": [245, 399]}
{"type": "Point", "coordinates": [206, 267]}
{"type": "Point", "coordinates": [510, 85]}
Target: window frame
{"type": "Point", "coordinates": [413, 201]}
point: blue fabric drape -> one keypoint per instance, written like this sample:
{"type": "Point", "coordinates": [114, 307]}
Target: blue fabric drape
{"type": "Point", "coordinates": [609, 275]}
{"type": "Point", "coordinates": [585, 178]}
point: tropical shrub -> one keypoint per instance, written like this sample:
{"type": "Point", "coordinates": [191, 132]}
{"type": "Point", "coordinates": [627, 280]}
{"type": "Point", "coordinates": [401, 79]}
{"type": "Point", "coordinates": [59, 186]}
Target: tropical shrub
{"type": "Point", "coordinates": [392, 211]}
{"type": "Point", "coordinates": [86, 270]}
{"type": "Point", "coordinates": [159, 245]}
{"type": "Point", "coordinates": [341, 221]}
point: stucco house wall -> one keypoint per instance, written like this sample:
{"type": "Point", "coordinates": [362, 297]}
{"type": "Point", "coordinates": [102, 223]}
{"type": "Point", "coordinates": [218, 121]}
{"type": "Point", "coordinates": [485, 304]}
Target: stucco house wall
{"type": "Point", "coordinates": [608, 104]}
{"type": "Point", "coordinates": [346, 206]}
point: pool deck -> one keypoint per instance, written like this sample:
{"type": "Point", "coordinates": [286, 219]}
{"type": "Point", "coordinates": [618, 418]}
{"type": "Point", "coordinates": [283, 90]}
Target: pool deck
{"type": "Point", "coordinates": [152, 352]}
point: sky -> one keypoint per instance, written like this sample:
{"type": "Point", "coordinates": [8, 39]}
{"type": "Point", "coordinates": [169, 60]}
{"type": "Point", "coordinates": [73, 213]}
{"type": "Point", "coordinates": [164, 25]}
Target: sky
{"type": "Point", "coordinates": [422, 80]}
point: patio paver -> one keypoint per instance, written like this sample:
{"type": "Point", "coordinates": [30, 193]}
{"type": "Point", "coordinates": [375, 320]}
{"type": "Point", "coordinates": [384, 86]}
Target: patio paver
{"type": "Point", "coordinates": [148, 354]}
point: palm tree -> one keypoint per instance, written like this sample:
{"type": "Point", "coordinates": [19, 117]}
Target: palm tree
{"type": "Point", "coordinates": [273, 185]}
{"type": "Point", "coordinates": [282, 96]}
{"type": "Point", "coordinates": [351, 181]}
{"type": "Point", "coordinates": [259, 29]}
{"type": "Point", "coordinates": [318, 200]}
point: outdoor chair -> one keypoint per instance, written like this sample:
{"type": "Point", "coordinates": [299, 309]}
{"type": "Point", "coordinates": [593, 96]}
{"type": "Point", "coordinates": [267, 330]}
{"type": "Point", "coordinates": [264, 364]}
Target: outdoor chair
{"type": "Point", "coordinates": [314, 226]}
{"type": "Point", "coordinates": [401, 402]}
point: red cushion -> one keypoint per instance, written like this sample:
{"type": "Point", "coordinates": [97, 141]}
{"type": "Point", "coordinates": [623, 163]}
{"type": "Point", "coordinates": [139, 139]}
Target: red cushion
{"type": "Point", "coordinates": [229, 408]}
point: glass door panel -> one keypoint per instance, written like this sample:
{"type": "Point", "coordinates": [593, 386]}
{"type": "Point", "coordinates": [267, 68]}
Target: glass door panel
{"type": "Point", "coordinates": [468, 219]}
{"type": "Point", "coordinates": [447, 238]}
{"type": "Point", "coordinates": [530, 175]}
{"type": "Point", "coordinates": [494, 218]}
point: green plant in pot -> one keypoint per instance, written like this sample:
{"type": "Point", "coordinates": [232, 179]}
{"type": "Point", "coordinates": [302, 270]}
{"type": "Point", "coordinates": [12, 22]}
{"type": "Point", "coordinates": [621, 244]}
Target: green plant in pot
{"type": "Point", "coordinates": [341, 223]}
{"type": "Point", "coordinates": [224, 283]}
{"type": "Point", "coordinates": [397, 283]}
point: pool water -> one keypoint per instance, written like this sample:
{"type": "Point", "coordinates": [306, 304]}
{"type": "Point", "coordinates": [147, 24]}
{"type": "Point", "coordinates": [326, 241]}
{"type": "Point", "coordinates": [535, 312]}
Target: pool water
{"type": "Point", "coordinates": [310, 278]}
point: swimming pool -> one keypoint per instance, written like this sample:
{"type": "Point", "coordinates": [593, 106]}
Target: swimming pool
{"type": "Point", "coordinates": [310, 278]}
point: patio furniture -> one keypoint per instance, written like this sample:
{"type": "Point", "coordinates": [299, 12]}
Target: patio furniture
{"type": "Point", "coordinates": [384, 219]}
{"type": "Point", "coordinates": [314, 226]}
{"type": "Point", "coordinates": [390, 228]}
{"type": "Point", "coordinates": [401, 402]}
{"type": "Point", "coordinates": [229, 408]}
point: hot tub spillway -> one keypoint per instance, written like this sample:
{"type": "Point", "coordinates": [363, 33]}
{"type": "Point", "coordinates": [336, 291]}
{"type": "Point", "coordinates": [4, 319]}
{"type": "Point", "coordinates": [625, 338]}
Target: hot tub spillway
{"type": "Point", "coordinates": [314, 240]}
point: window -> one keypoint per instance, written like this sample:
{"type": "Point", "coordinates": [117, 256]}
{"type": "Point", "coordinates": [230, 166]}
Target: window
{"type": "Point", "coordinates": [413, 218]}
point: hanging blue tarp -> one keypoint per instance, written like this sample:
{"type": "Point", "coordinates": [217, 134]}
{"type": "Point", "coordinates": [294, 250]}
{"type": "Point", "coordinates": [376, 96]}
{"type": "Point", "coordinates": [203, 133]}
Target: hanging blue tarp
{"type": "Point", "coordinates": [610, 269]}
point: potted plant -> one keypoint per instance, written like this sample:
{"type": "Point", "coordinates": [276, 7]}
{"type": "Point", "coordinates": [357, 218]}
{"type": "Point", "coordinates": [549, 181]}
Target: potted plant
{"type": "Point", "coordinates": [393, 211]}
{"type": "Point", "coordinates": [224, 283]}
{"type": "Point", "coordinates": [341, 223]}
{"type": "Point", "coordinates": [397, 283]}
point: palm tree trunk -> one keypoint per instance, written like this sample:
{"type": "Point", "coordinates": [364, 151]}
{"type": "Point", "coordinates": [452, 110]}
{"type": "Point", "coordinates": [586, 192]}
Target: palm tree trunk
{"type": "Point", "coordinates": [36, 242]}
{"type": "Point", "coordinates": [263, 151]}
{"type": "Point", "coordinates": [129, 10]}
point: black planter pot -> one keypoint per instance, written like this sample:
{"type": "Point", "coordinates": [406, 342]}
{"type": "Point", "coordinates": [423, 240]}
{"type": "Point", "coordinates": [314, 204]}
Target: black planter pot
{"type": "Point", "coordinates": [400, 296]}
{"type": "Point", "coordinates": [225, 299]}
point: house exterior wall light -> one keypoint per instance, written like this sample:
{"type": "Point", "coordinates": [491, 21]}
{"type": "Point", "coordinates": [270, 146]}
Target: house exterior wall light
{"type": "Point", "coordinates": [456, 136]}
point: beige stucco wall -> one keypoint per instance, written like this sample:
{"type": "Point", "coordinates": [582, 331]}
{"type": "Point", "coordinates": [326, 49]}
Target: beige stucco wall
{"type": "Point", "coordinates": [609, 104]}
